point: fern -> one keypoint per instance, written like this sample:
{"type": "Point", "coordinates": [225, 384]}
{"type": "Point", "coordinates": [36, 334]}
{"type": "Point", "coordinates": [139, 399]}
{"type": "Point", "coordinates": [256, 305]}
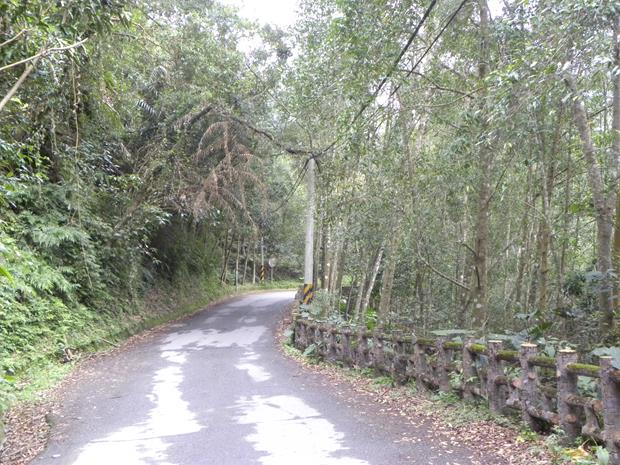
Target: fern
{"type": "Point", "coordinates": [49, 236]}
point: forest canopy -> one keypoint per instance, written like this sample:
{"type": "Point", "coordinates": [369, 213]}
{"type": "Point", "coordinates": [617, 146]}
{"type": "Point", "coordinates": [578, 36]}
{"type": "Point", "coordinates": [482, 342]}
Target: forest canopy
{"type": "Point", "coordinates": [467, 163]}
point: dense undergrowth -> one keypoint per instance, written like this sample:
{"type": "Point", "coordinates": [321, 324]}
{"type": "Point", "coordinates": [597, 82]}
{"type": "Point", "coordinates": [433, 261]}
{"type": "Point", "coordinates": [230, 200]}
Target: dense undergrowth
{"type": "Point", "coordinates": [125, 202]}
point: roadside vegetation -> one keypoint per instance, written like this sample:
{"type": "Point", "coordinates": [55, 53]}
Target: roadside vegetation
{"type": "Point", "coordinates": [128, 197]}
{"type": "Point", "coordinates": [153, 154]}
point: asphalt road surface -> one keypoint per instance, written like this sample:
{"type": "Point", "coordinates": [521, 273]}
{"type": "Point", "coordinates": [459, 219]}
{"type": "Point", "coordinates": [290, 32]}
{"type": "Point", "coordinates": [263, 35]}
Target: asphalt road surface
{"type": "Point", "coordinates": [215, 390]}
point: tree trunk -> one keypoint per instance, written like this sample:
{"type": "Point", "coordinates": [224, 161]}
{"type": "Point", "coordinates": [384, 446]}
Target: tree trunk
{"type": "Point", "coordinates": [225, 258]}
{"type": "Point", "coordinates": [324, 246]}
{"type": "Point", "coordinates": [359, 316]}
{"type": "Point", "coordinates": [254, 266]}
{"type": "Point", "coordinates": [602, 205]}
{"type": "Point", "coordinates": [615, 154]}
{"type": "Point", "coordinates": [245, 262]}
{"type": "Point", "coordinates": [479, 285]}
{"type": "Point", "coordinates": [340, 271]}
{"type": "Point", "coordinates": [237, 262]}
{"type": "Point", "coordinates": [372, 278]}
{"type": "Point", "coordinates": [387, 283]}
{"type": "Point", "coordinates": [565, 233]}
{"type": "Point", "coordinates": [386, 287]}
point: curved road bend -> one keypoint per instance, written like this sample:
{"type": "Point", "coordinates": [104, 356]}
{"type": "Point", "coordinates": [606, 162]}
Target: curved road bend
{"type": "Point", "coordinates": [215, 390]}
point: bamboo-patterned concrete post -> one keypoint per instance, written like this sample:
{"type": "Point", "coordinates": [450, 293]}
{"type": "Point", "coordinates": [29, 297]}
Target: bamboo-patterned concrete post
{"type": "Point", "coordinates": [337, 343]}
{"type": "Point", "coordinates": [330, 349]}
{"type": "Point", "coordinates": [611, 408]}
{"type": "Point", "coordinates": [362, 347]}
{"type": "Point", "coordinates": [528, 384]}
{"type": "Point", "coordinates": [468, 369]}
{"type": "Point", "coordinates": [382, 359]}
{"type": "Point", "coordinates": [297, 326]}
{"type": "Point", "coordinates": [419, 363]}
{"type": "Point", "coordinates": [320, 338]}
{"type": "Point", "coordinates": [398, 361]}
{"type": "Point", "coordinates": [309, 334]}
{"type": "Point", "coordinates": [567, 386]}
{"type": "Point", "coordinates": [495, 370]}
{"type": "Point", "coordinates": [345, 338]}
{"type": "Point", "coordinates": [443, 360]}
{"type": "Point", "coordinates": [410, 360]}
{"type": "Point", "coordinates": [300, 338]}
{"type": "Point", "coordinates": [376, 354]}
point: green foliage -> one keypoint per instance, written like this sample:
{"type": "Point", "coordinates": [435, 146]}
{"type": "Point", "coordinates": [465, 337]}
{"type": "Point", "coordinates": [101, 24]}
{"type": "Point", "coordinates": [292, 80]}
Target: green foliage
{"type": "Point", "coordinates": [321, 306]}
{"type": "Point", "coordinates": [371, 318]}
{"type": "Point", "coordinates": [602, 456]}
{"type": "Point", "coordinates": [613, 352]}
{"type": "Point", "coordinates": [119, 192]}
{"type": "Point", "coordinates": [310, 351]}
{"type": "Point", "coordinates": [384, 381]}
{"type": "Point", "coordinates": [449, 398]}
{"type": "Point", "coordinates": [582, 453]}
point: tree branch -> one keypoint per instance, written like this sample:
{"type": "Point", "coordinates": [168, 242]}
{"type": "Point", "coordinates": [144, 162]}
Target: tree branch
{"type": "Point", "coordinates": [27, 70]}
{"type": "Point", "coordinates": [447, 89]}
{"type": "Point", "coordinates": [43, 53]}
{"type": "Point", "coordinates": [468, 247]}
{"type": "Point", "coordinates": [270, 137]}
{"type": "Point", "coordinates": [14, 38]}
{"type": "Point", "coordinates": [444, 276]}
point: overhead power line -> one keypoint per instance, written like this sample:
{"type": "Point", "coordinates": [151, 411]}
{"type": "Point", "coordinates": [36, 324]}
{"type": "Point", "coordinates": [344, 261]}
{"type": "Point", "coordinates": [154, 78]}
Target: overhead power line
{"type": "Point", "coordinates": [428, 49]}
{"type": "Point", "coordinates": [375, 94]}
{"type": "Point", "coordinates": [393, 68]}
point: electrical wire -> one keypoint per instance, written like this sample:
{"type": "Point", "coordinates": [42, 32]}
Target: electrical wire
{"type": "Point", "coordinates": [428, 49]}
{"type": "Point", "coordinates": [393, 68]}
{"type": "Point", "coordinates": [409, 73]}
{"type": "Point", "coordinates": [380, 86]}
{"type": "Point", "coordinates": [289, 194]}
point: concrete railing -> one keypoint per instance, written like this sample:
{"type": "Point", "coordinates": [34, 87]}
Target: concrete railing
{"type": "Point", "coordinates": [543, 389]}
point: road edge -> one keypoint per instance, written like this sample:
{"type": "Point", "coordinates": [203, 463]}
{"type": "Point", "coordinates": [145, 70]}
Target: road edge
{"type": "Point", "coordinates": [25, 427]}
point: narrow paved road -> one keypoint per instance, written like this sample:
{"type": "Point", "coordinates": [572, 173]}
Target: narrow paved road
{"type": "Point", "coordinates": [215, 390]}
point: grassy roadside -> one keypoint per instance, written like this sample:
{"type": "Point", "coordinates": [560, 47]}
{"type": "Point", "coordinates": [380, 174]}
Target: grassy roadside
{"type": "Point", "coordinates": [161, 306]}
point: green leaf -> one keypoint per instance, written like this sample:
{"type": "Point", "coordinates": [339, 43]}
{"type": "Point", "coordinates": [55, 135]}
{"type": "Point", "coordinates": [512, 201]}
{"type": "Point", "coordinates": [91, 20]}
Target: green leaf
{"type": "Point", "coordinates": [4, 272]}
{"type": "Point", "coordinates": [310, 350]}
{"type": "Point", "coordinates": [602, 456]}
{"type": "Point", "coordinates": [613, 352]}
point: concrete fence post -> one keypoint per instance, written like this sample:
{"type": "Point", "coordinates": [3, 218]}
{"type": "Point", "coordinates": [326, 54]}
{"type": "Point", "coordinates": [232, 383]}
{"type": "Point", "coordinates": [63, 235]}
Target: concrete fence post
{"type": "Point", "coordinates": [495, 370]}
{"type": "Point", "coordinates": [611, 408]}
{"type": "Point", "coordinates": [528, 384]}
{"type": "Point", "coordinates": [567, 386]}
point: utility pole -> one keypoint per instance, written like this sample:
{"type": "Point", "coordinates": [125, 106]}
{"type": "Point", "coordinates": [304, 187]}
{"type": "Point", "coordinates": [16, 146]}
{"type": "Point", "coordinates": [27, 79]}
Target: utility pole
{"type": "Point", "coordinates": [308, 294]}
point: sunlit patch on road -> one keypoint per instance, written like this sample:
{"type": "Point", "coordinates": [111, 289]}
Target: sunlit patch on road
{"type": "Point", "coordinates": [145, 443]}
{"type": "Point", "coordinates": [287, 430]}
{"type": "Point", "coordinates": [256, 372]}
